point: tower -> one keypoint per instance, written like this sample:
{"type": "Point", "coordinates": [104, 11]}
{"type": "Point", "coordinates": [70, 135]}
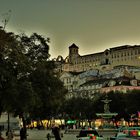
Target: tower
{"type": "Point", "coordinates": [73, 53]}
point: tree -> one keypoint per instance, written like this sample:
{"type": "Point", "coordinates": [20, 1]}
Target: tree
{"type": "Point", "coordinates": [79, 109]}
{"type": "Point", "coordinates": [118, 102]}
{"type": "Point", "coordinates": [50, 91]}
{"type": "Point", "coordinates": [13, 68]}
{"type": "Point", "coordinates": [44, 80]}
{"type": "Point", "coordinates": [132, 101]}
{"type": "Point", "coordinates": [27, 78]}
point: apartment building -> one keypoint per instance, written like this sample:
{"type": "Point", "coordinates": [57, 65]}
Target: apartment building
{"type": "Point", "coordinates": [87, 84]}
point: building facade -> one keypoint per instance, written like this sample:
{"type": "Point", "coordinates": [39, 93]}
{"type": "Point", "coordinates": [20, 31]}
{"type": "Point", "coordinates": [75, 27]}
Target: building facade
{"type": "Point", "coordinates": [115, 69]}
{"type": "Point", "coordinates": [122, 55]}
{"type": "Point", "coordinates": [87, 84]}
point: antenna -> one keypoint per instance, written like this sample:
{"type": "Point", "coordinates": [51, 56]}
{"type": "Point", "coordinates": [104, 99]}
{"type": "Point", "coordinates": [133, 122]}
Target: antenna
{"type": "Point", "coordinates": [6, 18]}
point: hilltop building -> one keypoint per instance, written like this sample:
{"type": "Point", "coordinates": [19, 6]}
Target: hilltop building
{"type": "Point", "coordinates": [122, 55]}
{"type": "Point", "coordinates": [114, 69]}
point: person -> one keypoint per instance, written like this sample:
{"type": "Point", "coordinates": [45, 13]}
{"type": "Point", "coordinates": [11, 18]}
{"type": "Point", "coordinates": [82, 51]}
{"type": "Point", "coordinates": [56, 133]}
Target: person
{"type": "Point", "coordinates": [1, 138]}
{"type": "Point", "coordinates": [56, 132]}
{"type": "Point", "coordinates": [22, 134]}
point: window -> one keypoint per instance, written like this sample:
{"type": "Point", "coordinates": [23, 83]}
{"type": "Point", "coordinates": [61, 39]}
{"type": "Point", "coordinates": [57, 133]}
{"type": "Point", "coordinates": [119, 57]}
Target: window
{"type": "Point", "coordinates": [131, 52]}
{"type": "Point", "coordinates": [136, 51]}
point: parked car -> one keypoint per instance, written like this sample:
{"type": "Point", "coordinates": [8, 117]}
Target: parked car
{"type": "Point", "coordinates": [89, 135]}
{"type": "Point", "coordinates": [118, 136]}
{"type": "Point", "coordinates": [126, 129]}
{"type": "Point", "coordinates": [126, 133]}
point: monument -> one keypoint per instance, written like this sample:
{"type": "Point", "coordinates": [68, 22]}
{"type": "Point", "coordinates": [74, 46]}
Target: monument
{"type": "Point", "coordinates": [106, 115]}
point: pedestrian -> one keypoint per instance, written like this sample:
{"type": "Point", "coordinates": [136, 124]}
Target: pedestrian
{"type": "Point", "coordinates": [22, 134]}
{"type": "Point", "coordinates": [56, 132]}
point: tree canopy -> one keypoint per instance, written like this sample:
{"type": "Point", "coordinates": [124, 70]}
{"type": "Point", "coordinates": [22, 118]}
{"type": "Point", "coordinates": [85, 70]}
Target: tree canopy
{"type": "Point", "coordinates": [28, 82]}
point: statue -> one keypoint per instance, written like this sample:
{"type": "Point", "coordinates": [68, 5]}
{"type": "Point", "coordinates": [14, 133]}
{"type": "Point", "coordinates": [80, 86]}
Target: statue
{"type": "Point", "coordinates": [106, 104]}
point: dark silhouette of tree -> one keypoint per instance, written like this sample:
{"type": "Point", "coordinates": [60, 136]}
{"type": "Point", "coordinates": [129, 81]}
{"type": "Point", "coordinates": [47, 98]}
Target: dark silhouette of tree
{"type": "Point", "coordinates": [79, 109]}
{"type": "Point", "coordinates": [44, 79]}
{"type": "Point", "coordinates": [132, 101]}
{"type": "Point", "coordinates": [118, 102]}
{"type": "Point", "coordinates": [13, 67]}
{"type": "Point", "coordinates": [27, 77]}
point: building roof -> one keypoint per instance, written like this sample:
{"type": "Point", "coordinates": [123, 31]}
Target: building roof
{"type": "Point", "coordinates": [93, 54]}
{"type": "Point", "coordinates": [73, 46]}
{"type": "Point", "coordinates": [123, 47]}
{"type": "Point", "coordinates": [123, 79]}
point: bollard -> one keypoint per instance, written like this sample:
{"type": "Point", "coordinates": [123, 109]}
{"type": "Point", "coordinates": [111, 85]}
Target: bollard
{"type": "Point", "coordinates": [61, 135]}
{"type": "Point", "coordinates": [48, 136]}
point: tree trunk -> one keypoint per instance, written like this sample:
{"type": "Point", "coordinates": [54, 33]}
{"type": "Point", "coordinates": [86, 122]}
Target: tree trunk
{"type": "Point", "coordinates": [24, 125]}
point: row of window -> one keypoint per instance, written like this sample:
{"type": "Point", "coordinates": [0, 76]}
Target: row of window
{"type": "Point", "coordinates": [92, 87]}
{"type": "Point", "coordinates": [115, 58]}
{"type": "Point", "coordinates": [127, 59]}
{"type": "Point", "coordinates": [115, 55]}
{"type": "Point", "coordinates": [86, 87]}
{"type": "Point", "coordinates": [126, 53]}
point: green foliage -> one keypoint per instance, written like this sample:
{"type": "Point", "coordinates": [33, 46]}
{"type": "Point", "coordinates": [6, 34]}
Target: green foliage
{"type": "Point", "coordinates": [133, 101]}
{"type": "Point", "coordinates": [123, 104]}
{"type": "Point", "coordinates": [28, 83]}
{"type": "Point", "coordinates": [50, 91]}
{"type": "Point", "coordinates": [79, 108]}
{"type": "Point", "coordinates": [118, 102]}
{"type": "Point", "coordinates": [12, 67]}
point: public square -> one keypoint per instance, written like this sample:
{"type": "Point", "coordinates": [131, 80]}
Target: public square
{"type": "Point", "coordinates": [40, 135]}
{"type": "Point", "coordinates": [36, 134]}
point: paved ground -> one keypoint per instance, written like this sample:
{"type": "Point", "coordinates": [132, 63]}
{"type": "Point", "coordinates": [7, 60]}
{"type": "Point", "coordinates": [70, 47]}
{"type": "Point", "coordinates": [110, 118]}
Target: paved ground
{"type": "Point", "coordinates": [41, 135]}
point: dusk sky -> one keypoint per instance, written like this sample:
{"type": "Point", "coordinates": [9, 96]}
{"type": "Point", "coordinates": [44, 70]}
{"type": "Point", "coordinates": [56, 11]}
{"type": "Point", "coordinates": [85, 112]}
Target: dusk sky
{"type": "Point", "coordinates": [93, 25]}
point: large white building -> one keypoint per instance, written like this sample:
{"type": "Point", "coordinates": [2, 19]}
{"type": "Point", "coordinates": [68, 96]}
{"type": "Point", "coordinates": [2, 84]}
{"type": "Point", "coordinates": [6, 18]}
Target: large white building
{"type": "Point", "coordinates": [114, 69]}
{"type": "Point", "coordinates": [122, 55]}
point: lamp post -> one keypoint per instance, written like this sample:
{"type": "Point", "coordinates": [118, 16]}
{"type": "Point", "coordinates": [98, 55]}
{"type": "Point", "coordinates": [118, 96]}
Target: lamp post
{"type": "Point", "coordinates": [8, 121]}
